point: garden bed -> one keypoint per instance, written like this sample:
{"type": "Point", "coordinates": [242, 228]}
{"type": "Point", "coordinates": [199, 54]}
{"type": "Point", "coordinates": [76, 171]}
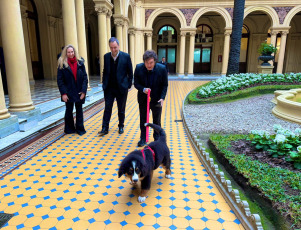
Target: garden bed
{"type": "Point", "coordinates": [241, 86]}
{"type": "Point", "coordinates": [274, 183]}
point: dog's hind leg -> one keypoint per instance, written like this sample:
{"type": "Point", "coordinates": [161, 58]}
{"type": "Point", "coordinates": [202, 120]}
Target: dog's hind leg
{"type": "Point", "coordinates": [166, 167]}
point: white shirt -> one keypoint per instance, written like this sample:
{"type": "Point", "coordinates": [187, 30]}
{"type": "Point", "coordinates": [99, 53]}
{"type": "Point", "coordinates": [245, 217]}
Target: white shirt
{"type": "Point", "coordinates": [116, 56]}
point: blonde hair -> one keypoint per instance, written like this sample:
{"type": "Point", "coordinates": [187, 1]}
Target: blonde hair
{"type": "Point", "coordinates": [63, 60]}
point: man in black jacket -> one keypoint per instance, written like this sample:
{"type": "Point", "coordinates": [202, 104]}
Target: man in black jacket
{"type": "Point", "coordinates": [163, 62]}
{"type": "Point", "coordinates": [150, 76]}
{"type": "Point", "coordinates": [117, 79]}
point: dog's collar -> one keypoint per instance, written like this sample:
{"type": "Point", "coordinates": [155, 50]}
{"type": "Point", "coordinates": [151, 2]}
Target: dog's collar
{"type": "Point", "coordinates": [142, 151]}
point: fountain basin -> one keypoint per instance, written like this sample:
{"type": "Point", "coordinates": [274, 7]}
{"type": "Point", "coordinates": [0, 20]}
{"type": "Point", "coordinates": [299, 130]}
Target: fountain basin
{"type": "Point", "coordinates": [288, 105]}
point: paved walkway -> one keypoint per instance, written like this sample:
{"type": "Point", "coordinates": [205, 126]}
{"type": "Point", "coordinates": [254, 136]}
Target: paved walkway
{"type": "Point", "coordinates": [73, 184]}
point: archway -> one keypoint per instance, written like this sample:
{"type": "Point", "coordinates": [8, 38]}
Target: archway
{"type": "Point", "coordinates": [292, 59]}
{"type": "Point", "coordinates": [258, 24]}
{"type": "Point", "coordinates": [167, 46]}
{"type": "Point", "coordinates": [210, 25]}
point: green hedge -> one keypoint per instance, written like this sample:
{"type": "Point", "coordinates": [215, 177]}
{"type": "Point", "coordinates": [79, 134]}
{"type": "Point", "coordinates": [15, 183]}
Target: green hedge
{"type": "Point", "coordinates": [270, 181]}
{"type": "Point", "coordinates": [252, 91]}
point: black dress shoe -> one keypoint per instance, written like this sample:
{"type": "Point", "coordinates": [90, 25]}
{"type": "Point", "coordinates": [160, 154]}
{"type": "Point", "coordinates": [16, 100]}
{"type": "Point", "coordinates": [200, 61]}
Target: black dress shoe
{"type": "Point", "coordinates": [104, 131]}
{"type": "Point", "coordinates": [141, 143]}
{"type": "Point", "coordinates": [121, 130]}
{"type": "Point", "coordinates": [81, 132]}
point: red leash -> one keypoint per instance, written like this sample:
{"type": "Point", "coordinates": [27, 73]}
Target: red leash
{"type": "Point", "coordinates": [147, 114]}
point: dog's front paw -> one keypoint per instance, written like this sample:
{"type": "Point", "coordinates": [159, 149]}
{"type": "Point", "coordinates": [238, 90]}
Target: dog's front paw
{"type": "Point", "coordinates": [145, 124]}
{"type": "Point", "coordinates": [168, 176]}
{"type": "Point", "coordinates": [141, 199]}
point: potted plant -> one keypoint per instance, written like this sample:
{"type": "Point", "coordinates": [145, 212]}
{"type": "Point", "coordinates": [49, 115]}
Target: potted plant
{"type": "Point", "coordinates": [266, 50]}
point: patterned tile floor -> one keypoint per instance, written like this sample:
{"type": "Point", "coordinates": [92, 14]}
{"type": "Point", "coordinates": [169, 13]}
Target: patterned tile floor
{"type": "Point", "coordinates": [73, 183]}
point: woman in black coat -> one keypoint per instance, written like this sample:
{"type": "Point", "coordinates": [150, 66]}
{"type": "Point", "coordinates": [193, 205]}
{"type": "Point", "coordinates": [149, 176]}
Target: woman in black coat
{"type": "Point", "coordinates": [72, 81]}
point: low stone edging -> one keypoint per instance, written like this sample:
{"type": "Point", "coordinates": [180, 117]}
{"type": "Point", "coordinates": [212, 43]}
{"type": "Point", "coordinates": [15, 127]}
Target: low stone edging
{"type": "Point", "coordinates": [240, 207]}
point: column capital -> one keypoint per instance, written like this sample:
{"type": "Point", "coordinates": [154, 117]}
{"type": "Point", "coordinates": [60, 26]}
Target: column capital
{"type": "Point", "coordinates": [101, 10]}
{"type": "Point", "coordinates": [227, 33]}
{"type": "Point", "coordinates": [284, 33]}
{"type": "Point", "coordinates": [274, 32]}
{"type": "Point", "coordinates": [183, 33]}
{"type": "Point", "coordinates": [109, 13]}
{"type": "Point", "coordinates": [192, 33]}
{"type": "Point", "coordinates": [148, 34]}
{"type": "Point", "coordinates": [131, 30]}
{"type": "Point", "coordinates": [118, 22]}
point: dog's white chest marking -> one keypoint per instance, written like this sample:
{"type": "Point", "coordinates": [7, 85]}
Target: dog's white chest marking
{"type": "Point", "coordinates": [135, 175]}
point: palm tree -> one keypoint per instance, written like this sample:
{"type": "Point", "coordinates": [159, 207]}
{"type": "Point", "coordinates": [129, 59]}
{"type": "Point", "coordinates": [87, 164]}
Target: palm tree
{"type": "Point", "coordinates": [238, 19]}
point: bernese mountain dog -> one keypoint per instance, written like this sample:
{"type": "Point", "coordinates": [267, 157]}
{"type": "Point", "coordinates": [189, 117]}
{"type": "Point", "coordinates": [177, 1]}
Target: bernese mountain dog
{"type": "Point", "coordinates": [140, 164]}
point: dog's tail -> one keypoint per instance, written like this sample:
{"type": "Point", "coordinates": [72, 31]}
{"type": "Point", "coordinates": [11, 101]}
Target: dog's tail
{"type": "Point", "coordinates": [159, 130]}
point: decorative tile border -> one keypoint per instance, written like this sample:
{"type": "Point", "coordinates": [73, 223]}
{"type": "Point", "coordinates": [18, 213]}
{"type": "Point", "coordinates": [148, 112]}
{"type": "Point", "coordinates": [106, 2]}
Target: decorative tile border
{"type": "Point", "coordinates": [189, 13]}
{"type": "Point", "coordinates": [282, 12]}
{"type": "Point", "coordinates": [240, 207]}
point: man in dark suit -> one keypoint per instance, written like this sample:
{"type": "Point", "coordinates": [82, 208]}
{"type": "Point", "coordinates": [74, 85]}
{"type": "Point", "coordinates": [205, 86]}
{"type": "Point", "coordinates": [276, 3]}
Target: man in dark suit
{"type": "Point", "coordinates": [117, 80]}
{"type": "Point", "coordinates": [150, 76]}
{"type": "Point", "coordinates": [163, 62]}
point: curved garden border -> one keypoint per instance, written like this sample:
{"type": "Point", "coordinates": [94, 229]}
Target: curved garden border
{"type": "Point", "coordinates": [240, 207]}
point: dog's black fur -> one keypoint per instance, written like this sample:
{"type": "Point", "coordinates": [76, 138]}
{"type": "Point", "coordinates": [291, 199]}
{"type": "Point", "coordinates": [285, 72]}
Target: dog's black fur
{"type": "Point", "coordinates": [144, 168]}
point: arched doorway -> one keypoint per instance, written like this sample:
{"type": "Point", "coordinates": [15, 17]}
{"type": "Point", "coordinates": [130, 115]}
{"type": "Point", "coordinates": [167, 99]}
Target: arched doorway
{"type": "Point", "coordinates": [243, 60]}
{"type": "Point", "coordinates": [292, 59]}
{"type": "Point", "coordinates": [167, 46]}
{"type": "Point", "coordinates": [34, 39]}
{"type": "Point", "coordinates": [203, 49]}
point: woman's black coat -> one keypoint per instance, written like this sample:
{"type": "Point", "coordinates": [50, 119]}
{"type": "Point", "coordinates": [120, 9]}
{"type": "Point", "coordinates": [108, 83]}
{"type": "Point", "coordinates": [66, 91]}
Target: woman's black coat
{"type": "Point", "coordinates": [67, 84]}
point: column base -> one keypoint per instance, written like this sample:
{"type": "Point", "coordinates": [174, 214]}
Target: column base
{"type": "Point", "coordinates": [9, 126]}
{"type": "Point", "coordinates": [32, 82]}
{"type": "Point", "coordinates": [4, 114]}
{"type": "Point", "coordinates": [18, 108]}
{"type": "Point", "coordinates": [28, 119]}
{"type": "Point", "coordinates": [181, 75]}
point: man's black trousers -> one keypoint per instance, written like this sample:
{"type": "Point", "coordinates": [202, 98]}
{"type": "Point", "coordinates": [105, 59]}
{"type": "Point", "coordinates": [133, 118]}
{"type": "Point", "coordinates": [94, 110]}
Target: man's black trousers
{"type": "Point", "coordinates": [156, 112]}
{"type": "Point", "coordinates": [110, 95]}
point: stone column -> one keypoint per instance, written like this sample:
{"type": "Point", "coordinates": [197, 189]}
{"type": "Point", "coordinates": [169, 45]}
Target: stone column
{"type": "Point", "coordinates": [149, 40]}
{"type": "Point", "coordinates": [132, 45]}
{"type": "Point", "coordinates": [282, 51]}
{"type": "Point", "coordinates": [191, 52]}
{"type": "Point", "coordinates": [3, 110]}
{"type": "Point", "coordinates": [15, 56]}
{"type": "Point", "coordinates": [81, 34]}
{"type": "Point", "coordinates": [273, 41]}
{"type": "Point", "coordinates": [125, 36]}
{"type": "Point", "coordinates": [109, 15]}
{"type": "Point", "coordinates": [138, 46]}
{"type": "Point", "coordinates": [27, 44]}
{"type": "Point", "coordinates": [102, 34]}
{"type": "Point", "coordinates": [182, 52]}
{"type": "Point", "coordinates": [226, 51]}
{"type": "Point", "coordinates": [69, 21]}
{"type": "Point", "coordinates": [119, 24]}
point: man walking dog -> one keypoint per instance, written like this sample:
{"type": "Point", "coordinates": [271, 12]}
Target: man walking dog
{"type": "Point", "coordinates": [150, 76]}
